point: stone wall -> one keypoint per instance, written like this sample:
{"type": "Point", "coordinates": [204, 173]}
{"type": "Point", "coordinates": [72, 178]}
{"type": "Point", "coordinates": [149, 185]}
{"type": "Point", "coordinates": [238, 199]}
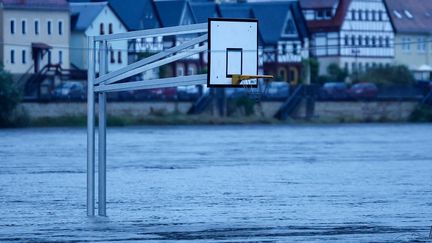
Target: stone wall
{"type": "Point", "coordinates": [323, 111]}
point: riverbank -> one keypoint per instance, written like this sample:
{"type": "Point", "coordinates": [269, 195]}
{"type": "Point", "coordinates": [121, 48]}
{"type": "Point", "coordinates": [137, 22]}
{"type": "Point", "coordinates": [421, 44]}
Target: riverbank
{"type": "Point", "coordinates": [73, 114]}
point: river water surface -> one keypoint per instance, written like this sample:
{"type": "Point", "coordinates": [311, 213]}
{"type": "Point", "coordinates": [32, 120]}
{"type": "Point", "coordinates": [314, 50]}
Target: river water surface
{"type": "Point", "coordinates": [345, 183]}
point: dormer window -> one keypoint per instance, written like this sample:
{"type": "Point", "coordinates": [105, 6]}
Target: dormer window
{"type": "Point", "coordinates": [408, 14]}
{"type": "Point", "coordinates": [398, 15]}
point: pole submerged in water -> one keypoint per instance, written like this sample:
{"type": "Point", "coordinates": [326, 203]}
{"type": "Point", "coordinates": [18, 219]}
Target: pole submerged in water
{"type": "Point", "coordinates": [90, 130]}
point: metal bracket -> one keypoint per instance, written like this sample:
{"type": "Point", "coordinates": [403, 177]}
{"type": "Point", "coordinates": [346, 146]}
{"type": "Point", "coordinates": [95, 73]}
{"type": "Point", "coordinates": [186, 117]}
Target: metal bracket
{"type": "Point", "coordinates": [237, 79]}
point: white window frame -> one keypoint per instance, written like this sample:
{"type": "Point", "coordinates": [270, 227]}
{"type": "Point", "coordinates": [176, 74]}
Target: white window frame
{"type": "Point", "coordinates": [14, 26]}
{"type": "Point", "coordinates": [60, 31]}
{"type": "Point", "coordinates": [23, 23]}
{"type": "Point", "coordinates": [23, 56]}
{"type": "Point", "coordinates": [49, 26]}
{"type": "Point", "coordinates": [39, 26]}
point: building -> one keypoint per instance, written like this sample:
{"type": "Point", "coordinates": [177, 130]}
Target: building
{"type": "Point", "coordinates": [34, 34]}
{"type": "Point", "coordinates": [176, 13]}
{"type": "Point", "coordinates": [412, 23]}
{"type": "Point", "coordinates": [139, 15]}
{"type": "Point", "coordinates": [355, 34]}
{"type": "Point", "coordinates": [93, 19]}
{"type": "Point", "coordinates": [285, 44]}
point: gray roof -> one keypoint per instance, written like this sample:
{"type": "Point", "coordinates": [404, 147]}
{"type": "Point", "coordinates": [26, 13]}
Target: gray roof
{"type": "Point", "coordinates": [170, 11]}
{"type": "Point", "coordinates": [234, 10]}
{"type": "Point", "coordinates": [203, 10]}
{"type": "Point", "coordinates": [136, 14]}
{"type": "Point", "coordinates": [83, 14]}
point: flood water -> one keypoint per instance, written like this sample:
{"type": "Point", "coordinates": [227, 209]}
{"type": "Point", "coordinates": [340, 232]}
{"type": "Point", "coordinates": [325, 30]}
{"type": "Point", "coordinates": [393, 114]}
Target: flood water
{"type": "Point", "coordinates": [333, 183]}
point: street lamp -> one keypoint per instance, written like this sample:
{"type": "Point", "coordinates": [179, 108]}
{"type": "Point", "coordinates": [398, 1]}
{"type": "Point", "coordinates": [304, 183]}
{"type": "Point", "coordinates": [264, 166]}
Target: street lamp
{"type": "Point", "coordinates": [356, 52]}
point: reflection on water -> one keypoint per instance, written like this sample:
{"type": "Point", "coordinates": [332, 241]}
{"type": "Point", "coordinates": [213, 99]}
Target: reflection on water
{"type": "Point", "coordinates": [226, 183]}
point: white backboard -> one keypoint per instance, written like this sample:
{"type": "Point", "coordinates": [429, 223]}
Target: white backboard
{"type": "Point", "coordinates": [232, 50]}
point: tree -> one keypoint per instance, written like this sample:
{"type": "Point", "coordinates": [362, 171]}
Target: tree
{"type": "Point", "coordinates": [9, 98]}
{"type": "Point", "coordinates": [336, 73]}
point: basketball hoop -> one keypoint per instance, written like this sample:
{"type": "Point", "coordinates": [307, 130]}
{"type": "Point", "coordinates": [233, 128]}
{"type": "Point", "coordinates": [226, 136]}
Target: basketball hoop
{"type": "Point", "coordinates": [254, 91]}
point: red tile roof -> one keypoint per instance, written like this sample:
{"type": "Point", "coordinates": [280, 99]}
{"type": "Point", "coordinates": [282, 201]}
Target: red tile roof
{"type": "Point", "coordinates": [314, 4]}
{"type": "Point", "coordinates": [410, 16]}
{"type": "Point", "coordinates": [333, 24]}
{"type": "Point", "coordinates": [35, 4]}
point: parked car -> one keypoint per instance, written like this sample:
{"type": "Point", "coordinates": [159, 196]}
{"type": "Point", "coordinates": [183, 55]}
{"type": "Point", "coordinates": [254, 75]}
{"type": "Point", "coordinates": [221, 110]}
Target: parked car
{"type": "Point", "coordinates": [364, 91]}
{"type": "Point", "coordinates": [334, 91]}
{"type": "Point", "coordinates": [277, 91]}
{"type": "Point", "coordinates": [189, 92]}
{"type": "Point", "coordinates": [69, 91]}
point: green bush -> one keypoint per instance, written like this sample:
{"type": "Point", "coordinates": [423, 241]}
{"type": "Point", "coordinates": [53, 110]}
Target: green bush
{"type": "Point", "coordinates": [422, 114]}
{"type": "Point", "coordinates": [9, 98]}
{"type": "Point", "coordinates": [392, 75]}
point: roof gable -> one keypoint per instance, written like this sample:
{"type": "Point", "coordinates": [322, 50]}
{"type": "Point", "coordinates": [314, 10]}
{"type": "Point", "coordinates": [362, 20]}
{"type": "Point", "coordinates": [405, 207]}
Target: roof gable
{"type": "Point", "coordinates": [333, 24]}
{"type": "Point", "coordinates": [83, 14]}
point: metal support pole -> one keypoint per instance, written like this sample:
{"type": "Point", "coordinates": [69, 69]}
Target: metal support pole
{"type": "Point", "coordinates": [102, 134]}
{"type": "Point", "coordinates": [90, 129]}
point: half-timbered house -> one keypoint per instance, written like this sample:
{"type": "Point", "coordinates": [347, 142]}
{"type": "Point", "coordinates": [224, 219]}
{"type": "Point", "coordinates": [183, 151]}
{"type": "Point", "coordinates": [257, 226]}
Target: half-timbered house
{"type": "Point", "coordinates": [355, 34]}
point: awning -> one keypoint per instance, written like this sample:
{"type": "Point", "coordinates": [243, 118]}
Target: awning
{"type": "Point", "coordinates": [424, 68]}
{"type": "Point", "coordinates": [40, 45]}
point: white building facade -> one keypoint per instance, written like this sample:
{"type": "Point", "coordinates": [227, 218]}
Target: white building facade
{"type": "Point", "coordinates": [102, 21]}
{"type": "Point", "coordinates": [33, 35]}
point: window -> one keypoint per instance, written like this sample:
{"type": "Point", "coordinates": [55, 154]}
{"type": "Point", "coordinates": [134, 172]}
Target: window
{"type": "Point", "coordinates": [60, 53]}
{"type": "Point", "coordinates": [373, 15]}
{"type": "Point", "coordinates": [328, 14]}
{"type": "Point", "coordinates": [12, 26]}
{"type": "Point", "coordinates": [49, 27]}
{"type": "Point", "coordinates": [406, 45]}
{"type": "Point", "coordinates": [360, 15]}
{"type": "Point", "coordinates": [191, 69]}
{"type": "Point", "coordinates": [380, 15]}
{"type": "Point", "coordinates": [60, 27]}
{"type": "Point", "coordinates": [36, 27]}
{"type": "Point", "coordinates": [49, 57]}
{"type": "Point", "coordinates": [23, 27]}
{"type": "Point", "coordinates": [387, 41]}
{"type": "Point", "coordinates": [373, 41]}
{"type": "Point", "coordinates": [12, 56]}
{"type": "Point", "coordinates": [112, 58]}
{"type": "Point", "coordinates": [320, 14]}
{"type": "Point", "coordinates": [353, 42]}
{"type": "Point", "coordinates": [110, 28]}
{"type": "Point", "coordinates": [367, 41]}
{"type": "Point", "coordinates": [360, 40]}
{"type": "Point", "coordinates": [23, 56]}
{"type": "Point", "coordinates": [421, 45]}
{"type": "Point", "coordinates": [101, 29]}
{"type": "Point", "coordinates": [295, 49]}
{"type": "Point", "coordinates": [119, 57]}
{"type": "Point", "coordinates": [366, 15]}
{"type": "Point", "coordinates": [180, 70]}
{"type": "Point", "coordinates": [380, 41]}
{"type": "Point", "coordinates": [289, 28]}
{"type": "Point", "coordinates": [353, 15]}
